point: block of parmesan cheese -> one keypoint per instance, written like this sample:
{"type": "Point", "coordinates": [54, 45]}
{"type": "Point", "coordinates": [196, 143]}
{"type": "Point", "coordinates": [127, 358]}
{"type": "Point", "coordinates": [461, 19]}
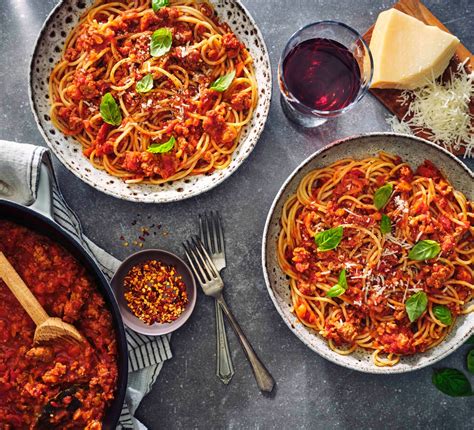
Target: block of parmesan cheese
{"type": "Point", "coordinates": [407, 52]}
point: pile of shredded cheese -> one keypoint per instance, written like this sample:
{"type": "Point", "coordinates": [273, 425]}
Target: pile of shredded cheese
{"type": "Point", "coordinates": [442, 111]}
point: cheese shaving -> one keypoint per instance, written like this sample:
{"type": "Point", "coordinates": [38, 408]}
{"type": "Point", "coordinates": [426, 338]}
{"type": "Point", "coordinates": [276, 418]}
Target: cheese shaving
{"type": "Point", "coordinates": [397, 241]}
{"type": "Point", "coordinates": [442, 111]}
{"type": "Point", "coordinates": [401, 204]}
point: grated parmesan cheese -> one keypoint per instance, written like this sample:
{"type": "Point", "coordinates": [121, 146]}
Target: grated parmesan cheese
{"type": "Point", "coordinates": [401, 204]}
{"type": "Point", "coordinates": [397, 241]}
{"type": "Point", "coordinates": [419, 236]}
{"type": "Point", "coordinates": [349, 264]}
{"type": "Point", "coordinates": [442, 111]}
{"type": "Point", "coordinates": [351, 212]}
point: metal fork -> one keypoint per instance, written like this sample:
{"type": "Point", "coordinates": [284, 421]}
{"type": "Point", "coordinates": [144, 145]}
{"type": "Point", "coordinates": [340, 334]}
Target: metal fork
{"type": "Point", "coordinates": [212, 236]}
{"type": "Point", "coordinates": [211, 283]}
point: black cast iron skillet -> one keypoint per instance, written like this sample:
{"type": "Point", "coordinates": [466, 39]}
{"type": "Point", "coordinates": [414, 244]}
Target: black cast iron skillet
{"type": "Point", "coordinates": [40, 220]}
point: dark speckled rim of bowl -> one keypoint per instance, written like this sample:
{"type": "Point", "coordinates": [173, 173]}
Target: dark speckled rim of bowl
{"type": "Point", "coordinates": [166, 257]}
{"type": "Point", "coordinates": [412, 150]}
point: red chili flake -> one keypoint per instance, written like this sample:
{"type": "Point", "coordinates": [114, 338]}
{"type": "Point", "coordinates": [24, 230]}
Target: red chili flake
{"type": "Point", "coordinates": [122, 238]}
{"type": "Point", "coordinates": [155, 292]}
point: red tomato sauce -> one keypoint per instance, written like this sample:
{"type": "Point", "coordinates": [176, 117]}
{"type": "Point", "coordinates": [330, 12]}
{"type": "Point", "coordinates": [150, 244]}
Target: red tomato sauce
{"type": "Point", "coordinates": [31, 376]}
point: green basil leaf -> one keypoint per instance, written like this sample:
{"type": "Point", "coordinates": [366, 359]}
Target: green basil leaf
{"type": "Point", "coordinates": [452, 382]}
{"type": "Point", "coordinates": [340, 287]}
{"type": "Point", "coordinates": [424, 250]}
{"type": "Point", "coordinates": [470, 340]}
{"type": "Point", "coordinates": [443, 314]}
{"type": "Point", "coordinates": [160, 43]}
{"type": "Point", "coordinates": [222, 83]}
{"type": "Point", "coordinates": [385, 224]}
{"type": "Point", "coordinates": [335, 291]}
{"type": "Point", "coordinates": [382, 196]}
{"type": "Point", "coordinates": [470, 361]}
{"type": "Point", "coordinates": [416, 305]}
{"type": "Point", "coordinates": [329, 239]}
{"type": "Point", "coordinates": [342, 279]}
{"type": "Point", "coordinates": [109, 110]}
{"type": "Point", "coordinates": [162, 147]}
{"type": "Point", "coordinates": [145, 84]}
{"type": "Point", "coordinates": [158, 4]}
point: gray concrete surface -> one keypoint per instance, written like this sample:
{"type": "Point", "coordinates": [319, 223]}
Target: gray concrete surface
{"type": "Point", "coordinates": [311, 392]}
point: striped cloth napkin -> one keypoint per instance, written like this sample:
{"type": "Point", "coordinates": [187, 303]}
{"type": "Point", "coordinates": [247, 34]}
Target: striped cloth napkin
{"type": "Point", "coordinates": [19, 176]}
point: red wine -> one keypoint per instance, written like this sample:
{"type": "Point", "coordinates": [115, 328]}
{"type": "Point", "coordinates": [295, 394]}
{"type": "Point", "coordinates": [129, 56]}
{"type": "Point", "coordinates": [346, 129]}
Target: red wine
{"type": "Point", "coordinates": [322, 74]}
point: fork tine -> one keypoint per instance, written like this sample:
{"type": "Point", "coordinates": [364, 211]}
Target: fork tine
{"type": "Point", "coordinates": [194, 262]}
{"type": "Point", "coordinates": [205, 231]}
{"type": "Point", "coordinates": [205, 259]}
{"type": "Point", "coordinates": [201, 229]}
{"type": "Point", "coordinates": [209, 234]}
{"type": "Point", "coordinates": [220, 232]}
{"type": "Point", "coordinates": [215, 239]}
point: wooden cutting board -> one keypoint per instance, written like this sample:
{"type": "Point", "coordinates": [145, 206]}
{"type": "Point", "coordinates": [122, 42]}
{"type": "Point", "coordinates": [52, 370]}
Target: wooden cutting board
{"type": "Point", "coordinates": [388, 97]}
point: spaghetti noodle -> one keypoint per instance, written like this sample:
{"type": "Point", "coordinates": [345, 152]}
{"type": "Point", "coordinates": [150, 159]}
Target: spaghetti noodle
{"type": "Point", "coordinates": [178, 105]}
{"type": "Point", "coordinates": [400, 273]}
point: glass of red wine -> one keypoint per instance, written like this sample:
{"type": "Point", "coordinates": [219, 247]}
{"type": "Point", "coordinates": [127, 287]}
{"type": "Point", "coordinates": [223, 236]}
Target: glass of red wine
{"type": "Point", "coordinates": [325, 69]}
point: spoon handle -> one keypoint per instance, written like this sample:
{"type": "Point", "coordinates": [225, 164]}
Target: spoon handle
{"type": "Point", "coordinates": [21, 291]}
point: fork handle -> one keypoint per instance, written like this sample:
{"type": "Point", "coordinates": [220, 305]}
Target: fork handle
{"type": "Point", "coordinates": [264, 380]}
{"type": "Point", "coordinates": [225, 367]}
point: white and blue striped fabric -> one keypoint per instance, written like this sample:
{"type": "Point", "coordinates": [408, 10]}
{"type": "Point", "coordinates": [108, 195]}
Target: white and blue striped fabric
{"type": "Point", "coordinates": [19, 175]}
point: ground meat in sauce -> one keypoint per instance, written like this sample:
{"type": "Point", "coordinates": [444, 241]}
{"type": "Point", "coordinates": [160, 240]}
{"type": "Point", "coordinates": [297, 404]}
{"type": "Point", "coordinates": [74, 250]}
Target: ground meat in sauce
{"type": "Point", "coordinates": [386, 278]}
{"type": "Point", "coordinates": [32, 375]}
{"type": "Point", "coordinates": [127, 36]}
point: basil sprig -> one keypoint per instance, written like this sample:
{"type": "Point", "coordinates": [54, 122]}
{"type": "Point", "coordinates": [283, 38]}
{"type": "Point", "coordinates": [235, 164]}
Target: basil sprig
{"type": "Point", "coordinates": [385, 224]}
{"type": "Point", "coordinates": [470, 361]}
{"type": "Point", "coordinates": [109, 110]}
{"type": "Point", "coordinates": [145, 84]}
{"type": "Point", "coordinates": [160, 42]}
{"type": "Point", "coordinates": [443, 314]}
{"type": "Point", "coordinates": [329, 239]}
{"type": "Point", "coordinates": [416, 305]}
{"type": "Point", "coordinates": [452, 382]}
{"type": "Point", "coordinates": [162, 147]}
{"type": "Point", "coordinates": [340, 287]}
{"type": "Point", "coordinates": [382, 196]}
{"type": "Point", "coordinates": [158, 4]}
{"type": "Point", "coordinates": [424, 250]}
{"type": "Point", "coordinates": [222, 83]}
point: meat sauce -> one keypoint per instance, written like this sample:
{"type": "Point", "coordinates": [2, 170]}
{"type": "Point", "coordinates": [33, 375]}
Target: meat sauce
{"type": "Point", "coordinates": [31, 376]}
{"type": "Point", "coordinates": [398, 336]}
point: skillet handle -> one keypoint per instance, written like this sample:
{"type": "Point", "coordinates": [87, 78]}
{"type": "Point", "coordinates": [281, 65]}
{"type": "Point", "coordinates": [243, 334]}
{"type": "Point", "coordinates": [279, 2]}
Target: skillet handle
{"type": "Point", "coordinates": [44, 196]}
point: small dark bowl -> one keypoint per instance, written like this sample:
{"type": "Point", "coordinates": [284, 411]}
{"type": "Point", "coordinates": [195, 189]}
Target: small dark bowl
{"type": "Point", "coordinates": [166, 257]}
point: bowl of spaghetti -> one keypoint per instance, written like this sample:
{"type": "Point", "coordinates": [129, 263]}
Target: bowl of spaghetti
{"type": "Point", "coordinates": [150, 101]}
{"type": "Point", "coordinates": [368, 250]}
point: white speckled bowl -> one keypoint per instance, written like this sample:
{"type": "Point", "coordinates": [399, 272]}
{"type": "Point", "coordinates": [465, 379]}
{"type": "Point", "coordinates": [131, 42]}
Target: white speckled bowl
{"type": "Point", "coordinates": [412, 150]}
{"type": "Point", "coordinates": [48, 51]}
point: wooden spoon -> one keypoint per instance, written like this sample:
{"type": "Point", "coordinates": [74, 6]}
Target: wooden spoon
{"type": "Point", "coordinates": [48, 329]}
